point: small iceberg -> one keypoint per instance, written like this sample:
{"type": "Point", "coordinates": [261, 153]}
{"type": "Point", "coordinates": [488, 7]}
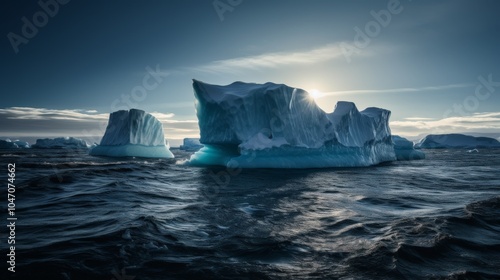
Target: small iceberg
{"type": "Point", "coordinates": [133, 133]}
{"type": "Point", "coordinates": [404, 149]}
{"type": "Point", "coordinates": [191, 144]}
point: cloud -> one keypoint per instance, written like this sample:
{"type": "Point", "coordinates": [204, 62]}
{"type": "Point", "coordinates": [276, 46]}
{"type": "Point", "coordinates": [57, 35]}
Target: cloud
{"type": "Point", "coordinates": [478, 122]}
{"type": "Point", "coordinates": [29, 121]}
{"type": "Point", "coordinates": [275, 59]}
{"type": "Point", "coordinates": [29, 113]}
{"type": "Point", "coordinates": [397, 90]}
{"type": "Point", "coordinates": [163, 117]}
{"type": "Point", "coordinates": [418, 119]}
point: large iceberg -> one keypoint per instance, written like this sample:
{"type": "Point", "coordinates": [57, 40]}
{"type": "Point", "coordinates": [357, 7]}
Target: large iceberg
{"type": "Point", "coordinates": [277, 126]}
{"type": "Point", "coordinates": [133, 133]}
{"type": "Point", "coordinates": [404, 149]}
{"type": "Point", "coordinates": [60, 143]}
{"type": "Point", "coordinates": [191, 144]}
{"type": "Point", "coordinates": [446, 141]}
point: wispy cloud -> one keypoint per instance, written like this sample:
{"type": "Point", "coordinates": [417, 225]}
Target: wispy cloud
{"type": "Point", "coordinates": [163, 117]}
{"type": "Point", "coordinates": [275, 59]}
{"type": "Point", "coordinates": [77, 122]}
{"type": "Point", "coordinates": [397, 90]}
{"type": "Point", "coordinates": [30, 113]}
{"type": "Point", "coordinates": [478, 122]}
{"type": "Point", "coordinates": [418, 119]}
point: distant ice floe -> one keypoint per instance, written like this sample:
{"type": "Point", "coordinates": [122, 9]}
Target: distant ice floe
{"type": "Point", "coordinates": [60, 143]}
{"type": "Point", "coordinates": [450, 141]}
{"type": "Point", "coordinates": [8, 144]}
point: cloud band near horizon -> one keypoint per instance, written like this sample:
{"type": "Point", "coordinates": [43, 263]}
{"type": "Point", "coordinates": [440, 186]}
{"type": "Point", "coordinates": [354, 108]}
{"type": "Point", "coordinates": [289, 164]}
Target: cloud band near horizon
{"type": "Point", "coordinates": [28, 121]}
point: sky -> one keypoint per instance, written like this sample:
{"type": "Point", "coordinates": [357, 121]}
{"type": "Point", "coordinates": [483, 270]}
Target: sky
{"type": "Point", "coordinates": [67, 64]}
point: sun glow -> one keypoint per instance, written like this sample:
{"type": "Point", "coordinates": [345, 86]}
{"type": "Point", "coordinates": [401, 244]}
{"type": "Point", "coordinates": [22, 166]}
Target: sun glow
{"type": "Point", "coordinates": [314, 94]}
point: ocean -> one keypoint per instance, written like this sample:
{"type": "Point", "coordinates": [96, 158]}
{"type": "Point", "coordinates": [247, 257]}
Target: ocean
{"type": "Point", "coordinates": [83, 217]}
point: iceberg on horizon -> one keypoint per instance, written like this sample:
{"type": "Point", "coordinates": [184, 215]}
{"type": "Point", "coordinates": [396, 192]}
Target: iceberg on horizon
{"type": "Point", "coordinates": [7, 144]}
{"type": "Point", "coordinates": [404, 149]}
{"type": "Point", "coordinates": [16, 144]}
{"type": "Point", "coordinates": [191, 144]}
{"type": "Point", "coordinates": [276, 126]}
{"type": "Point", "coordinates": [60, 143]}
{"type": "Point", "coordinates": [22, 144]}
{"type": "Point", "coordinates": [452, 141]}
{"type": "Point", "coordinates": [133, 133]}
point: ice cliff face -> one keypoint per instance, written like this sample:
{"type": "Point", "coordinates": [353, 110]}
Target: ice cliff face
{"type": "Point", "coordinates": [276, 126]}
{"type": "Point", "coordinates": [133, 127]}
{"type": "Point", "coordinates": [133, 133]}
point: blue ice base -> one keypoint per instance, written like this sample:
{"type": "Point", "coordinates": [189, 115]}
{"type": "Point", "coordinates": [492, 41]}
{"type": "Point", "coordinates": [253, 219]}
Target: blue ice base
{"type": "Point", "coordinates": [293, 157]}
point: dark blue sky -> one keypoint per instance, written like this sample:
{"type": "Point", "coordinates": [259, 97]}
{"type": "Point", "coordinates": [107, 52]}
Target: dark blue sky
{"type": "Point", "coordinates": [90, 56]}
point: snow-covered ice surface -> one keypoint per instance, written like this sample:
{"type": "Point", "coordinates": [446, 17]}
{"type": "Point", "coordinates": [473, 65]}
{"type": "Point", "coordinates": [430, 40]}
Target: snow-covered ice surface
{"type": "Point", "coordinates": [133, 133]}
{"type": "Point", "coordinates": [443, 141]}
{"type": "Point", "coordinates": [277, 126]}
{"type": "Point", "coordinates": [60, 143]}
{"type": "Point", "coordinates": [404, 149]}
{"type": "Point", "coordinates": [191, 144]}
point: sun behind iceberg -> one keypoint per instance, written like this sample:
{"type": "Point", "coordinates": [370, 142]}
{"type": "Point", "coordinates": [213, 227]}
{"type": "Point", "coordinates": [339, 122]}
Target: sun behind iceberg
{"type": "Point", "coordinates": [133, 133]}
{"type": "Point", "coordinates": [276, 126]}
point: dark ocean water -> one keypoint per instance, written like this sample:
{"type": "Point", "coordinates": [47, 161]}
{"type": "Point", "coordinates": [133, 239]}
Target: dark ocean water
{"type": "Point", "coordinates": [81, 217]}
